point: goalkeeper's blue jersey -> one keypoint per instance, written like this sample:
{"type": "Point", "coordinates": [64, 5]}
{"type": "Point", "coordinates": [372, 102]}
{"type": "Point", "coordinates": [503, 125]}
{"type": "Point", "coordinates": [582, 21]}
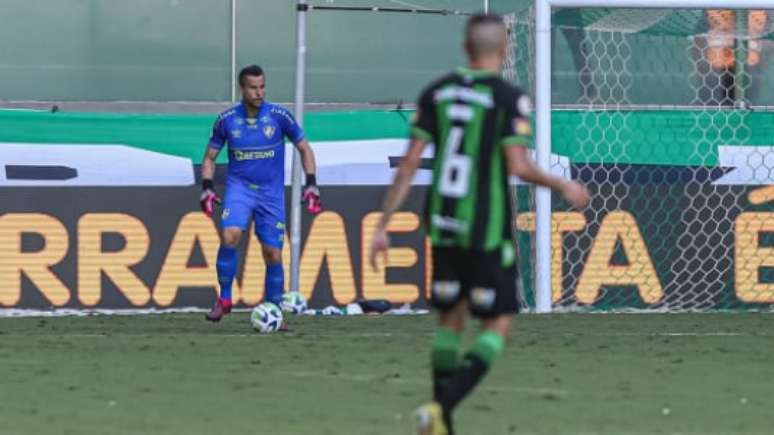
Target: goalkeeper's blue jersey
{"type": "Point", "coordinates": [256, 146]}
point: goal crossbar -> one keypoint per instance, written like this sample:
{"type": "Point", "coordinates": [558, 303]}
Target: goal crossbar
{"type": "Point", "coordinates": [383, 9]}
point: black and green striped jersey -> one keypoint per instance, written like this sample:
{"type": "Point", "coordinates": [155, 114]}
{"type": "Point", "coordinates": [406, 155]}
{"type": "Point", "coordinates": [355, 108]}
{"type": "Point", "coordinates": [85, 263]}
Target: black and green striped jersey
{"type": "Point", "coordinates": [471, 116]}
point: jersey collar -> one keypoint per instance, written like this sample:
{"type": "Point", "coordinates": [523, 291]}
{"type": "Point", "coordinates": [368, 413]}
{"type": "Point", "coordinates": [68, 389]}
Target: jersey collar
{"type": "Point", "coordinates": [463, 70]}
{"type": "Point", "coordinates": [243, 110]}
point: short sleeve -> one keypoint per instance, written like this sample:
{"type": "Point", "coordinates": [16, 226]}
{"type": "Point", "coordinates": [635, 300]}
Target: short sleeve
{"type": "Point", "coordinates": [290, 127]}
{"type": "Point", "coordinates": [423, 125]}
{"type": "Point", "coordinates": [218, 136]}
{"type": "Point", "coordinates": [517, 128]}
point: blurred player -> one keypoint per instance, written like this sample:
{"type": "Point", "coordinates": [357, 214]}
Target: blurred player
{"type": "Point", "coordinates": [480, 127]}
{"type": "Point", "coordinates": [723, 38]}
{"type": "Point", "coordinates": [722, 27]}
{"type": "Point", "coordinates": [255, 131]}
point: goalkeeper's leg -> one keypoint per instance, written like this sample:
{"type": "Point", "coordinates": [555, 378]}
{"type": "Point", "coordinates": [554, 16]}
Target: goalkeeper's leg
{"type": "Point", "coordinates": [226, 267]}
{"type": "Point", "coordinates": [269, 219]}
{"type": "Point", "coordinates": [234, 220]}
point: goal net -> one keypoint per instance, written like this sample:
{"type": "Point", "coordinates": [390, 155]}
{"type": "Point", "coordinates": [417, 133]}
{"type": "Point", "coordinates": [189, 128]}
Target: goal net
{"type": "Point", "coordinates": [665, 114]}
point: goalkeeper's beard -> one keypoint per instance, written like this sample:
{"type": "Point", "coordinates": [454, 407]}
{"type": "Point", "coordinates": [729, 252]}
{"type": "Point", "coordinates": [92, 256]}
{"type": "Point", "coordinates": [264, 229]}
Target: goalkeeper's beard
{"type": "Point", "coordinates": [253, 103]}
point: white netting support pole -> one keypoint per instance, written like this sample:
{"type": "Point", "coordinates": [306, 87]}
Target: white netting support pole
{"type": "Point", "coordinates": [296, 175]}
{"type": "Point", "coordinates": [233, 51]}
{"type": "Point", "coordinates": [543, 155]}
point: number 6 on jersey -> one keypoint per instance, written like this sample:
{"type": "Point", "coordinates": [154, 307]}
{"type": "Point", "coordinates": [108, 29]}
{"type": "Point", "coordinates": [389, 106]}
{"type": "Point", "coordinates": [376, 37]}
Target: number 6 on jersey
{"type": "Point", "coordinates": [455, 169]}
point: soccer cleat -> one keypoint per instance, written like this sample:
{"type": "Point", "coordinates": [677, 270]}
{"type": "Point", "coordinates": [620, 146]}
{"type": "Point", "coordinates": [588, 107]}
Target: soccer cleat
{"type": "Point", "coordinates": [221, 308]}
{"type": "Point", "coordinates": [430, 420]}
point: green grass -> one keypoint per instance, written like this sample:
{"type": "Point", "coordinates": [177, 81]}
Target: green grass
{"type": "Point", "coordinates": [561, 374]}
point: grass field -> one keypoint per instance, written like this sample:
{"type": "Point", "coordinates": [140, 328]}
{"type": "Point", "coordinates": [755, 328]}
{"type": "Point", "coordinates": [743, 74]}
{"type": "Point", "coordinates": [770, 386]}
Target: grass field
{"type": "Point", "coordinates": [561, 374]}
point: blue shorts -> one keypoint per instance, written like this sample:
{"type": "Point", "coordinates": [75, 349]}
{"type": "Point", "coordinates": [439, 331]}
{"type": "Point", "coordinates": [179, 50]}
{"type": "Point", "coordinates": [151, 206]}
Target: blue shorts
{"type": "Point", "coordinates": [267, 208]}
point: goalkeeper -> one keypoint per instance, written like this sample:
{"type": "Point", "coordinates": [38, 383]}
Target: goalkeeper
{"type": "Point", "coordinates": [254, 131]}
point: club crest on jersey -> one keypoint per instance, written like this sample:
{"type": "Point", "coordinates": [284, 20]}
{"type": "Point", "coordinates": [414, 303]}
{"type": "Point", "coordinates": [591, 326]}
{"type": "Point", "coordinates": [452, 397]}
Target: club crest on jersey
{"type": "Point", "coordinates": [268, 131]}
{"type": "Point", "coordinates": [523, 127]}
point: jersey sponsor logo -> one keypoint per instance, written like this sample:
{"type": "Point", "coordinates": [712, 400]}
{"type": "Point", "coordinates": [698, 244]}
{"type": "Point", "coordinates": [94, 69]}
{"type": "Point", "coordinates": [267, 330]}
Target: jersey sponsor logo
{"type": "Point", "coordinates": [467, 95]}
{"type": "Point", "coordinates": [252, 155]}
{"type": "Point", "coordinates": [268, 131]}
{"type": "Point", "coordinates": [450, 224]}
{"type": "Point", "coordinates": [446, 291]}
{"type": "Point", "coordinates": [482, 297]}
{"type": "Point", "coordinates": [459, 112]}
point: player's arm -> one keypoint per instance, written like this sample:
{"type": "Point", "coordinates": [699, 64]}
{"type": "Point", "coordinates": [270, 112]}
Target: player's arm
{"type": "Point", "coordinates": [516, 135]}
{"type": "Point", "coordinates": [311, 193]}
{"type": "Point", "coordinates": [396, 194]}
{"type": "Point", "coordinates": [218, 139]}
{"type": "Point", "coordinates": [208, 197]}
{"type": "Point", "coordinates": [295, 134]}
{"type": "Point", "coordinates": [423, 130]}
{"type": "Point", "coordinates": [307, 157]}
{"type": "Point", "coordinates": [520, 165]}
{"type": "Point", "coordinates": [208, 163]}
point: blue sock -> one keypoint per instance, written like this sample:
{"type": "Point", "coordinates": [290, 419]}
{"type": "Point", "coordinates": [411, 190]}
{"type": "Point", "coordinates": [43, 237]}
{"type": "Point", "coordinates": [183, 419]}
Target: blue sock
{"type": "Point", "coordinates": [274, 284]}
{"type": "Point", "coordinates": [227, 266]}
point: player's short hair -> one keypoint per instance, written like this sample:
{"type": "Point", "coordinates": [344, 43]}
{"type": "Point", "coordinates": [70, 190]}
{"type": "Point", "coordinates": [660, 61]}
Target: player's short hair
{"type": "Point", "coordinates": [251, 70]}
{"type": "Point", "coordinates": [480, 39]}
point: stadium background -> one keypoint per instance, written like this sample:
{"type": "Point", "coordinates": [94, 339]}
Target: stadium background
{"type": "Point", "coordinates": [688, 373]}
{"type": "Point", "coordinates": [179, 50]}
{"type": "Point", "coordinates": [112, 56]}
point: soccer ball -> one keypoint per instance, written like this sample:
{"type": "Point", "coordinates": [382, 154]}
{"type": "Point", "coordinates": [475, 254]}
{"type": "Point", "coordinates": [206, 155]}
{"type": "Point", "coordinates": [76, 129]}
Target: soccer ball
{"type": "Point", "coordinates": [266, 318]}
{"type": "Point", "coordinates": [293, 302]}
